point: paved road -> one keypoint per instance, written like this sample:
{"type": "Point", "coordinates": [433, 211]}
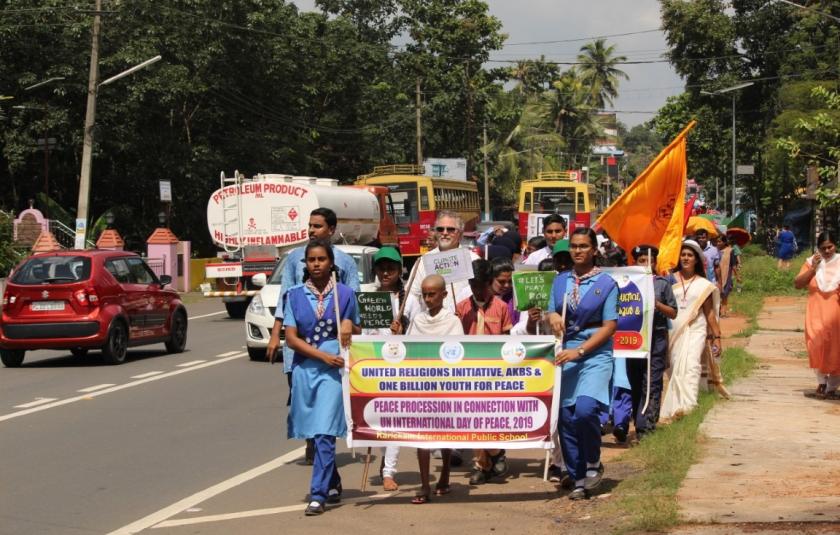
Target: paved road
{"type": "Point", "coordinates": [90, 448]}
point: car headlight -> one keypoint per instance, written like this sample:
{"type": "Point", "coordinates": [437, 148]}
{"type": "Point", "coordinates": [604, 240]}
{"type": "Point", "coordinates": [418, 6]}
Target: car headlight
{"type": "Point", "coordinates": [256, 306]}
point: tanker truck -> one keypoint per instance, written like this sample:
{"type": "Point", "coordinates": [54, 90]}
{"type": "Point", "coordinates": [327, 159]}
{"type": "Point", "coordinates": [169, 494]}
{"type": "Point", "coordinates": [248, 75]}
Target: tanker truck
{"type": "Point", "coordinates": [255, 221]}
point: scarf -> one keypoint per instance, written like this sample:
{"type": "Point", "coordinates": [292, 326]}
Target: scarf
{"type": "Point", "coordinates": [444, 323]}
{"type": "Point", "coordinates": [828, 282]}
{"type": "Point", "coordinates": [575, 298]}
{"type": "Point", "coordinates": [321, 295]}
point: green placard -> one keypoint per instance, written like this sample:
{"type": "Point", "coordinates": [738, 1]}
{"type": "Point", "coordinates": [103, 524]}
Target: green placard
{"type": "Point", "coordinates": [532, 289]}
{"type": "Point", "coordinates": [375, 311]}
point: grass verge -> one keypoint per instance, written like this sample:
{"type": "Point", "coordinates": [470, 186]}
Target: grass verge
{"type": "Point", "coordinates": [762, 278]}
{"type": "Point", "coordinates": [647, 500]}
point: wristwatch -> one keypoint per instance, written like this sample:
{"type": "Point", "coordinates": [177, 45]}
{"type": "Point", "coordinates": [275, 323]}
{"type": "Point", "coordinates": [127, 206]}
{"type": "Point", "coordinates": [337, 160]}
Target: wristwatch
{"type": "Point", "coordinates": [581, 352]}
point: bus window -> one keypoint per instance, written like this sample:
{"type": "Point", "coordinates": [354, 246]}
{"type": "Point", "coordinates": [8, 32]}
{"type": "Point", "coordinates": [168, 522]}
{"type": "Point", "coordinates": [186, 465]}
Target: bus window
{"type": "Point", "coordinates": [424, 199]}
{"type": "Point", "coordinates": [581, 202]}
{"type": "Point", "coordinates": [527, 207]}
{"type": "Point", "coordinates": [404, 202]}
{"type": "Point", "coordinates": [554, 200]}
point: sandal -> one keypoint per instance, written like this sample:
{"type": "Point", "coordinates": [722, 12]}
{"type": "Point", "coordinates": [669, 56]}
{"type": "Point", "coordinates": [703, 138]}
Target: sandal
{"type": "Point", "coordinates": [442, 490]}
{"type": "Point", "coordinates": [420, 499]}
{"type": "Point", "coordinates": [834, 395]}
{"type": "Point", "coordinates": [819, 393]}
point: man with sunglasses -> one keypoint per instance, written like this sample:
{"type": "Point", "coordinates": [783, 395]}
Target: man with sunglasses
{"type": "Point", "coordinates": [448, 230]}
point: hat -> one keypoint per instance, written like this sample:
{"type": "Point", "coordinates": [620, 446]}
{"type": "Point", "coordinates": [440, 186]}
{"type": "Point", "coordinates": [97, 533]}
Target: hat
{"type": "Point", "coordinates": [387, 253]}
{"type": "Point", "coordinates": [694, 246]}
{"type": "Point", "coordinates": [643, 249]}
{"type": "Point", "coordinates": [561, 246]}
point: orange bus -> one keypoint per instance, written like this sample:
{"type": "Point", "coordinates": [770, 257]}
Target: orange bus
{"type": "Point", "coordinates": [555, 192]}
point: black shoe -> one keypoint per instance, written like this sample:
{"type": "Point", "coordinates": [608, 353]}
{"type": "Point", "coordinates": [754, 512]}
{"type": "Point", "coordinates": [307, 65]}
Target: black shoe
{"type": "Point", "coordinates": [500, 465]}
{"type": "Point", "coordinates": [334, 495]}
{"type": "Point", "coordinates": [579, 493]}
{"type": "Point", "coordinates": [314, 509]}
{"type": "Point", "coordinates": [567, 482]}
{"type": "Point", "coordinates": [592, 482]}
{"type": "Point", "coordinates": [480, 477]}
{"type": "Point", "coordinates": [555, 474]}
{"type": "Point", "coordinates": [456, 459]}
{"type": "Point", "coordinates": [309, 456]}
{"type": "Point", "coordinates": [620, 434]}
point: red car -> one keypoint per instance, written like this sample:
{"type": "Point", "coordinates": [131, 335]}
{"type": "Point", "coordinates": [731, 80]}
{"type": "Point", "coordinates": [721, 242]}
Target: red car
{"type": "Point", "coordinates": [81, 300]}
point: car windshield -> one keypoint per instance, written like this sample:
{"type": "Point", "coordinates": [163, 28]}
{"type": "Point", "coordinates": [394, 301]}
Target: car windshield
{"type": "Point", "coordinates": [53, 270]}
{"type": "Point", "coordinates": [363, 262]}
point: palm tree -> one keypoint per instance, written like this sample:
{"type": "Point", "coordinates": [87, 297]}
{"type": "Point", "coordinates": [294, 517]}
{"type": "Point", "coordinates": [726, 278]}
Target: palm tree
{"type": "Point", "coordinates": [598, 71]}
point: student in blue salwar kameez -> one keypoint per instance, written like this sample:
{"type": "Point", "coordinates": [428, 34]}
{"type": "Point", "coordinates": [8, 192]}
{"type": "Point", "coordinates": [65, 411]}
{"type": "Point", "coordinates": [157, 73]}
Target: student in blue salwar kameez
{"type": "Point", "coordinates": [591, 299]}
{"type": "Point", "coordinates": [312, 332]}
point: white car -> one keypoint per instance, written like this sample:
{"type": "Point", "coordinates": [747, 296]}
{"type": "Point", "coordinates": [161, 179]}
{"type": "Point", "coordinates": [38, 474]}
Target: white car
{"type": "Point", "coordinates": [259, 318]}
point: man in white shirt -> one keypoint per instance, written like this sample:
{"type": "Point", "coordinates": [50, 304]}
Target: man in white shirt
{"type": "Point", "coordinates": [448, 231]}
{"type": "Point", "coordinates": [554, 228]}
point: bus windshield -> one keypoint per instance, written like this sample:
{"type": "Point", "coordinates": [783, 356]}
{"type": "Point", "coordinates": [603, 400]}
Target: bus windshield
{"type": "Point", "coordinates": [404, 201]}
{"type": "Point", "coordinates": [551, 200]}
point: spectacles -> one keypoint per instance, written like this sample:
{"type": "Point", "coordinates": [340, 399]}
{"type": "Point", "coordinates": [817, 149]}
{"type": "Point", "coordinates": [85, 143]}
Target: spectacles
{"type": "Point", "coordinates": [451, 230]}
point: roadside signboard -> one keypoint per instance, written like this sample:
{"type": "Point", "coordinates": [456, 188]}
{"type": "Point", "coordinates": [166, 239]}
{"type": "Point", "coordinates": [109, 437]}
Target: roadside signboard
{"type": "Point", "coordinates": [165, 190]}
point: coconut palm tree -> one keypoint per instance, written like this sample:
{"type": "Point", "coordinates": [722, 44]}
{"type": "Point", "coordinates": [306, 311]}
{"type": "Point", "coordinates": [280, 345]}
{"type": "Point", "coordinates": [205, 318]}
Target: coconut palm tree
{"type": "Point", "coordinates": [598, 71]}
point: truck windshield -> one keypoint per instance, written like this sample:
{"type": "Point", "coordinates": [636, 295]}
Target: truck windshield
{"type": "Point", "coordinates": [53, 270]}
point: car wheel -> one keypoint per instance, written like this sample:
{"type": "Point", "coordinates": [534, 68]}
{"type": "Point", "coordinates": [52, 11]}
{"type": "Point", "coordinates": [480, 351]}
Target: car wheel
{"type": "Point", "coordinates": [79, 352]}
{"type": "Point", "coordinates": [114, 350]}
{"type": "Point", "coordinates": [12, 358]}
{"type": "Point", "coordinates": [178, 333]}
{"type": "Point", "coordinates": [237, 309]}
{"type": "Point", "coordinates": [257, 353]}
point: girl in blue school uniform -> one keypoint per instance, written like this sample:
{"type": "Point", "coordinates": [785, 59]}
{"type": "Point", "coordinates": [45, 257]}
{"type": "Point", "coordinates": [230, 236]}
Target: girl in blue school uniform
{"type": "Point", "coordinates": [591, 302]}
{"type": "Point", "coordinates": [312, 332]}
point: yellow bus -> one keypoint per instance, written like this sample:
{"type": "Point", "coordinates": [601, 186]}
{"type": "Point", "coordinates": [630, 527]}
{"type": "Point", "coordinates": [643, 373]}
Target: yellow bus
{"type": "Point", "coordinates": [555, 192]}
{"type": "Point", "coordinates": [416, 198]}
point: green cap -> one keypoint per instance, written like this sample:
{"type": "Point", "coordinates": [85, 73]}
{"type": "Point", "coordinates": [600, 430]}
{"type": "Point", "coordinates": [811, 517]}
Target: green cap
{"type": "Point", "coordinates": [387, 253]}
{"type": "Point", "coordinates": [562, 246]}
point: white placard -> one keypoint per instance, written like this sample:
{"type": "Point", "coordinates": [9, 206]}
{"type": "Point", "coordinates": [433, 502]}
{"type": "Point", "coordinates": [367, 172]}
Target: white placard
{"type": "Point", "coordinates": [165, 190]}
{"type": "Point", "coordinates": [454, 265]}
{"type": "Point", "coordinates": [535, 224]}
{"type": "Point", "coordinates": [745, 169]}
{"type": "Point", "coordinates": [218, 271]}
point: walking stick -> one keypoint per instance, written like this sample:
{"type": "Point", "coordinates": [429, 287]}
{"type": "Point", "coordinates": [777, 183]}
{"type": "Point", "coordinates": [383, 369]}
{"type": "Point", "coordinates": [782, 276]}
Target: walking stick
{"type": "Point", "coordinates": [365, 473]}
{"type": "Point", "coordinates": [556, 341]}
{"type": "Point", "coordinates": [410, 282]}
{"type": "Point", "coordinates": [647, 387]}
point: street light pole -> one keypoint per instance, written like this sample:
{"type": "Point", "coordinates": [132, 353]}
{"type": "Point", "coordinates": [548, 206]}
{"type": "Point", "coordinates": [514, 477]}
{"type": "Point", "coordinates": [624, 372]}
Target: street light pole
{"type": "Point", "coordinates": [90, 116]}
{"type": "Point", "coordinates": [734, 164]}
{"type": "Point", "coordinates": [87, 147]}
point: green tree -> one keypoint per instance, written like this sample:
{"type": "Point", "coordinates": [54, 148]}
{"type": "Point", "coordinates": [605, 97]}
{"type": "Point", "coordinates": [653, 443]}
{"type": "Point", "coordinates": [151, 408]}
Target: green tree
{"type": "Point", "coordinates": [598, 71]}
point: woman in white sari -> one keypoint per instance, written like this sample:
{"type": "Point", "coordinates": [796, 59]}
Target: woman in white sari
{"type": "Point", "coordinates": [695, 328]}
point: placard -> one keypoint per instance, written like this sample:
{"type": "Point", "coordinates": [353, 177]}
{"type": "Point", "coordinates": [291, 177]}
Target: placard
{"type": "Point", "coordinates": [636, 306]}
{"type": "Point", "coordinates": [165, 190]}
{"type": "Point", "coordinates": [453, 265]}
{"type": "Point", "coordinates": [451, 391]}
{"type": "Point", "coordinates": [532, 289]}
{"type": "Point", "coordinates": [375, 310]}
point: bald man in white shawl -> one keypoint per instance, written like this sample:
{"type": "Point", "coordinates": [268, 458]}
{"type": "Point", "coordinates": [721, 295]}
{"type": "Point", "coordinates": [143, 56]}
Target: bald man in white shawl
{"type": "Point", "coordinates": [435, 320]}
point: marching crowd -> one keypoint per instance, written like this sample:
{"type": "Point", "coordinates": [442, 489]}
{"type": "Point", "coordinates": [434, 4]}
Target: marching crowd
{"type": "Point", "coordinates": [318, 314]}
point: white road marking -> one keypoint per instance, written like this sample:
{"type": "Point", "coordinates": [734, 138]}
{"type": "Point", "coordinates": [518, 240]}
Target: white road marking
{"type": "Point", "coordinates": [206, 494]}
{"type": "Point", "coordinates": [38, 401]}
{"type": "Point", "coordinates": [96, 387]}
{"type": "Point", "coordinates": [190, 363]}
{"type": "Point", "coordinates": [144, 375]}
{"type": "Point", "coordinates": [261, 512]}
{"type": "Point", "coordinates": [207, 315]}
{"type": "Point", "coordinates": [229, 353]}
{"type": "Point", "coordinates": [138, 382]}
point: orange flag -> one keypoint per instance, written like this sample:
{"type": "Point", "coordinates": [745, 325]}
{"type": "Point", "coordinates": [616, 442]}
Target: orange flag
{"type": "Point", "coordinates": [650, 211]}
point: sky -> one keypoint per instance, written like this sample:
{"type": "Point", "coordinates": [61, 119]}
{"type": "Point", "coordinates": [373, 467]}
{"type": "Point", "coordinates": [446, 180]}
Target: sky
{"type": "Point", "coordinates": [530, 21]}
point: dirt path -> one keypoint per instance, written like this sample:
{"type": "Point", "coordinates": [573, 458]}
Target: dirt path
{"type": "Point", "coordinates": [771, 456]}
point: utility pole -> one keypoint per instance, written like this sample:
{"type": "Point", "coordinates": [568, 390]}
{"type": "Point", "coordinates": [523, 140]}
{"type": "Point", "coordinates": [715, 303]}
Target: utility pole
{"type": "Point", "coordinates": [486, 180]}
{"type": "Point", "coordinates": [90, 119]}
{"type": "Point", "coordinates": [419, 124]}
